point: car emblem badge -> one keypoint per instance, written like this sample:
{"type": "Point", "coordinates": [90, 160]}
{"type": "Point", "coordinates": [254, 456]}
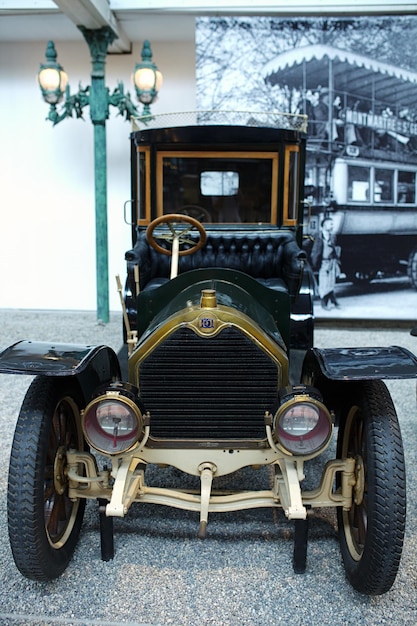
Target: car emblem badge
{"type": "Point", "coordinates": [207, 323]}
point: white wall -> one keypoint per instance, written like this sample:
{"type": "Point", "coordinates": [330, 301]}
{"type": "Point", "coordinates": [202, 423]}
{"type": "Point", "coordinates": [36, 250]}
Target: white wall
{"type": "Point", "coordinates": [47, 232]}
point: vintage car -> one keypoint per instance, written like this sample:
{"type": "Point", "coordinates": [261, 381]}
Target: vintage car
{"type": "Point", "coordinates": [219, 371]}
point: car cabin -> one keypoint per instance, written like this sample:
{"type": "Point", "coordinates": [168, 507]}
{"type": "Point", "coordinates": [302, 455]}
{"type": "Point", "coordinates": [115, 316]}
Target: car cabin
{"type": "Point", "coordinates": [243, 182]}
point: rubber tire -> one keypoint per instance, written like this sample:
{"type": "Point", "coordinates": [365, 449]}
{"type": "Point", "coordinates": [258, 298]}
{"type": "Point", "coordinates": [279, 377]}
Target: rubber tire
{"type": "Point", "coordinates": [371, 429]}
{"type": "Point", "coordinates": [40, 554]}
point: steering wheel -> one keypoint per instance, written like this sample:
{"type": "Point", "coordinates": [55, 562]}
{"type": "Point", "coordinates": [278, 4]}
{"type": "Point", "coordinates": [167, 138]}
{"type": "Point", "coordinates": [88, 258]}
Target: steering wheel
{"type": "Point", "coordinates": [176, 234]}
{"type": "Point", "coordinates": [195, 210]}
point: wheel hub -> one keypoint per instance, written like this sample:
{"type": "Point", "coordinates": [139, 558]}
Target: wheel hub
{"type": "Point", "coordinates": [359, 487]}
{"type": "Point", "coordinates": [60, 479]}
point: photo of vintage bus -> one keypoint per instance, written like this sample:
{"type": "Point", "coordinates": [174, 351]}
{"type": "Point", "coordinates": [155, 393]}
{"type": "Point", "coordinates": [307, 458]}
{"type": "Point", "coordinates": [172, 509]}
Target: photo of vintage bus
{"type": "Point", "coordinates": [361, 154]}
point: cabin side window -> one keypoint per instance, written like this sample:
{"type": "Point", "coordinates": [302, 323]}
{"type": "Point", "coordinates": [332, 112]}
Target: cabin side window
{"type": "Point", "coordinates": [406, 188]}
{"type": "Point", "coordinates": [358, 183]}
{"type": "Point", "coordinates": [291, 177]}
{"type": "Point", "coordinates": [375, 185]}
{"type": "Point", "coordinates": [383, 185]}
{"type": "Point", "coordinates": [143, 209]}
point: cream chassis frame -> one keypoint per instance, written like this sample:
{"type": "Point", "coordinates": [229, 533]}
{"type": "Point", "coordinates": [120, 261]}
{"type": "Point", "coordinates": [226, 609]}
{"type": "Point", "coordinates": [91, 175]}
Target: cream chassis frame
{"type": "Point", "coordinates": [129, 481]}
{"type": "Point", "coordinates": [125, 482]}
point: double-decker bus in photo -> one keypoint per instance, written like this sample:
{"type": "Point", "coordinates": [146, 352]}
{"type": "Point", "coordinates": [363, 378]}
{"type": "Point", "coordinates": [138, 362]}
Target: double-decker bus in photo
{"type": "Point", "coordinates": [361, 154]}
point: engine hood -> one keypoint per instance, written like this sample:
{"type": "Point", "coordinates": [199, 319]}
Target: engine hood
{"type": "Point", "coordinates": [267, 307]}
{"type": "Point", "coordinates": [228, 296]}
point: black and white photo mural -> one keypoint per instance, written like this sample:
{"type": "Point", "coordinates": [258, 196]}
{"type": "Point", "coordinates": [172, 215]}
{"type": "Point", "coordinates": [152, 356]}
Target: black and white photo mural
{"type": "Point", "coordinates": [356, 79]}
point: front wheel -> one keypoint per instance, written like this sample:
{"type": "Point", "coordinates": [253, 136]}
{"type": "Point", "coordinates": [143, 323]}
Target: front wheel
{"type": "Point", "coordinates": [372, 531]}
{"type": "Point", "coordinates": [44, 524]}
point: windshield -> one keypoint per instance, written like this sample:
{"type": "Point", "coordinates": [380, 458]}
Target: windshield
{"type": "Point", "coordinates": [218, 187]}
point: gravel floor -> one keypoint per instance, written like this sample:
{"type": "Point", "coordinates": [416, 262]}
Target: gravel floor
{"type": "Point", "coordinates": [162, 574]}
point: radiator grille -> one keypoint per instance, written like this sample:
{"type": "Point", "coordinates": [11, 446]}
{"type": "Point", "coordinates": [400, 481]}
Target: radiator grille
{"type": "Point", "coordinates": [208, 388]}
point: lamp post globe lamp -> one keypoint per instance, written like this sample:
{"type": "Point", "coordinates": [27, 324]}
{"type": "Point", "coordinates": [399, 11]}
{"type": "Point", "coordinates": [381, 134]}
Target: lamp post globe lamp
{"type": "Point", "coordinates": [147, 79]}
{"type": "Point", "coordinates": [51, 77]}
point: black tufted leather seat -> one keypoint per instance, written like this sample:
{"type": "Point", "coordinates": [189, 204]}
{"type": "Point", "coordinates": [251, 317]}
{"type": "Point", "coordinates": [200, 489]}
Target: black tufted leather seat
{"type": "Point", "coordinates": [272, 257]}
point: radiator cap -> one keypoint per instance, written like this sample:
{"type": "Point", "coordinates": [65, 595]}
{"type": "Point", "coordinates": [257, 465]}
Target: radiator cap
{"type": "Point", "coordinates": [208, 299]}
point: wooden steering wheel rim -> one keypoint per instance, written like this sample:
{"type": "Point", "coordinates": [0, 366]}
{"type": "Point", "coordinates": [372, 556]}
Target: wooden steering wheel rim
{"type": "Point", "coordinates": [175, 217]}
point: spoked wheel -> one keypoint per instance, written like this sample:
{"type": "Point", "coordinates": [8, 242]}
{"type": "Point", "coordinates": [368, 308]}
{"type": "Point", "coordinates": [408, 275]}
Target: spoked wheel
{"type": "Point", "coordinates": [196, 211]}
{"type": "Point", "coordinates": [372, 531]}
{"type": "Point", "coordinates": [44, 524]}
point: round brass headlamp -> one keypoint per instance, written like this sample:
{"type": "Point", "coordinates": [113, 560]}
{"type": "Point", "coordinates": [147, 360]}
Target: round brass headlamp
{"type": "Point", "coordinates": [112, 422]}
{"type": "Point", "coordinates": [302, 424]}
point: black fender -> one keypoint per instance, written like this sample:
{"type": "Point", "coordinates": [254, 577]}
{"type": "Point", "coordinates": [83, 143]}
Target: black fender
{"type": "Point", "coordinates": [360, 363]}
{"type": "Point", "coordinates": [334, 370]}
{"type": "Point", "coordinates": [92, 366]}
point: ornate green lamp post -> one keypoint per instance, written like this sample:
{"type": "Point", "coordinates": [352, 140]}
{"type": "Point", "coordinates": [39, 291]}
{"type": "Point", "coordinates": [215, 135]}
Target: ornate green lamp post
{"type": "Point", "coordinates": [53, 82]}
